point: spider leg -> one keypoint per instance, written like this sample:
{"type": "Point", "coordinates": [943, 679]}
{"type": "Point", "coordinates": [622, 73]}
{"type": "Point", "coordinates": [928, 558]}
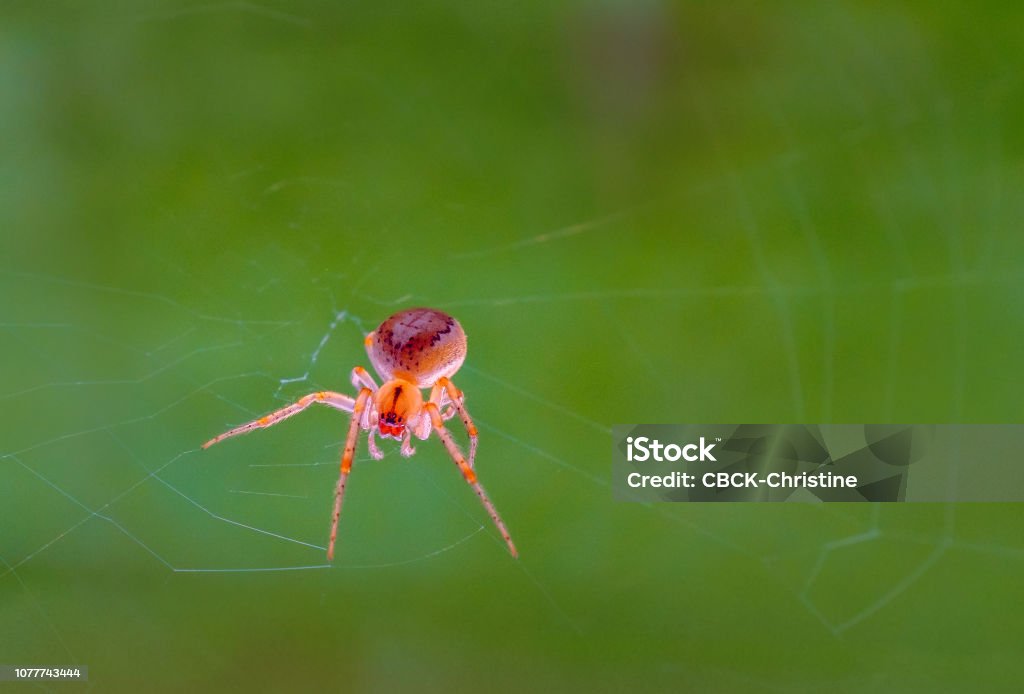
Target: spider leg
{"type": "Point", "coordinates": [407, 449]}
{"type": "Point", "coordinates": [371, 443]}
{"type": "Point", "coordinates": [361, 378]}
{"type": "Point", "coordinates": [324, 397]}
{"type": "Point", "coordinates": [446, 407]}
{"type": "Point", "coordinates": [346, 465]}
{"type": "Point", "coordinates": [422, 427]}
{"type": "Point", "coordinates": [467, 472]}
{"type": "Point", "coordinates": [448, 388]}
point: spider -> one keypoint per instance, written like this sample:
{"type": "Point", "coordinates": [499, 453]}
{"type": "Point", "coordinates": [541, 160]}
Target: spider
{"type": "Point", "coordinates": [414, 349]}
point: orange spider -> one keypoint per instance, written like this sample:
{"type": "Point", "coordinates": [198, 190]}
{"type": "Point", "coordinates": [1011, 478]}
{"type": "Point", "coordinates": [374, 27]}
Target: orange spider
{"type": "Point", "coordinates": [413, 349]}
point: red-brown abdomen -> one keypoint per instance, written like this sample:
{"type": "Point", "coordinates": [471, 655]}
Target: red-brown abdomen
{"type": "Point", "coordinates": [419, 345]}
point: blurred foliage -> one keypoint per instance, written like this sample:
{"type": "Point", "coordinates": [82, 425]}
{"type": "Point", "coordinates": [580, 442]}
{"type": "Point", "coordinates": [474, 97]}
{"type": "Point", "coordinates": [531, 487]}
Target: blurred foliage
{"type": "Point", "coordinates": [640, 212]}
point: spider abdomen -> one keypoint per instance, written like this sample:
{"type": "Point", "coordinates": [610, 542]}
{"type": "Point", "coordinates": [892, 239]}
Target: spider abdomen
{"type": "Point", "coordinates": [419, 345]}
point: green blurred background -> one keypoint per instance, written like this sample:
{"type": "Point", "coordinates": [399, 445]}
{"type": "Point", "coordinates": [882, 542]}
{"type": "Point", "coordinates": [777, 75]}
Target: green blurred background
{"type": "Point", "coordinates": [639, 211]}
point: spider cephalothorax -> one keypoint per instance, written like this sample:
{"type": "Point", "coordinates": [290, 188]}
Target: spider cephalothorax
{"type": "Point", "coordinates": [397, 403]}
{"type": "Point", "coordinates": [413, 349]}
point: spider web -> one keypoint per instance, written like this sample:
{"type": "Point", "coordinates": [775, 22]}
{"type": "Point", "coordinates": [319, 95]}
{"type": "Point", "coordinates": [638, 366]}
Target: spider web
{"type": "Point", "coordinates": [110, 386]}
